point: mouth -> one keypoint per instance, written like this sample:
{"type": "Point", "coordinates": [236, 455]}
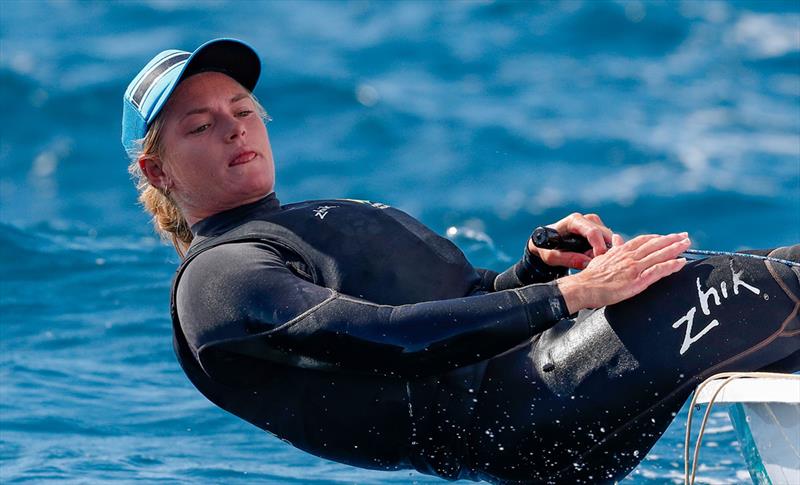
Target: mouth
{"type": "Point", "coordinates": [242, 158]}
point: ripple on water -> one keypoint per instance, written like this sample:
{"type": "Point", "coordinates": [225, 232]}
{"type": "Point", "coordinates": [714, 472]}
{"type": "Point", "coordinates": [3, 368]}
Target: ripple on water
{"type": "Point", "coordinates": [489, 116]}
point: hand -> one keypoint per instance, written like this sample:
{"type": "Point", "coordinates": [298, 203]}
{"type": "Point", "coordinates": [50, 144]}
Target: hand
{"type": "Point", "coordinates": [625, 270]}
{"type": "Point", "coordinates": [589, 226]}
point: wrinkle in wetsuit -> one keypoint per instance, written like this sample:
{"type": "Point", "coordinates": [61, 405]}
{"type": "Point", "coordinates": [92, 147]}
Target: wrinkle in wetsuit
{"type": "Point", "coordinates": [354, 332]}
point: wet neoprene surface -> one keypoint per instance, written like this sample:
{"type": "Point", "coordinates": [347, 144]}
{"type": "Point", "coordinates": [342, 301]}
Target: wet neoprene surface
{"type": "Point", "coordinates": [357, 334]}
{"type": "Point", "coordinates": [410, 306]}
{"type": "Point", "coordinates": [342, 311]}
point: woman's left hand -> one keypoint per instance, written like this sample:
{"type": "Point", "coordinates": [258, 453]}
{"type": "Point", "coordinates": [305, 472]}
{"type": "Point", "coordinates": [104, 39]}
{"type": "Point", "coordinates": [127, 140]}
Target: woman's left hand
{"type": "Point", "coordinates": [589, 226]}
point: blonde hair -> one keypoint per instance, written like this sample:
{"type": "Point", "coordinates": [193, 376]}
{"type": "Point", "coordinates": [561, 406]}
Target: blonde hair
{"type": "Point", "coordinates": [168, 219]}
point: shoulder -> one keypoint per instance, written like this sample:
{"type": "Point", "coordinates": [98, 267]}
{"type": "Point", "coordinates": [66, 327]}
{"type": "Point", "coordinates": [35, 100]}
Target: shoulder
{"type": "Point", "coordinates": [233, 258]}
{"type": "Point", "coordinates": [215, 293]}
{"type": "Point", "coordinates": [216, 272]}
{"type": "Point", "coordinates": [233, 255]}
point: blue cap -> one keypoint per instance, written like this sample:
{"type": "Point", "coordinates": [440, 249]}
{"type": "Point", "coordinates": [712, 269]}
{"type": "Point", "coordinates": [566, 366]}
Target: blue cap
{"type": "Point", "coordinates": [151, 88]}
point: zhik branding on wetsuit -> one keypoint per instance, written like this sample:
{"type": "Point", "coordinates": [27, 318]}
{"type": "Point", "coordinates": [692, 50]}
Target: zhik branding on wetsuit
{"type": "Point", "coordinates": [704, 297]}
{"type": "Point", "coordinates": [322, 210]}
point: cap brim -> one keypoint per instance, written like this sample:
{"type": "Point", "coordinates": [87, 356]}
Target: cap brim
{"type": "Point", "coordinates": [228, 56]}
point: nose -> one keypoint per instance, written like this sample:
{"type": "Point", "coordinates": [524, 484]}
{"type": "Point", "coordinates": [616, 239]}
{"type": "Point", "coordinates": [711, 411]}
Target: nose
{"type": "Point", "coordinates": [236, 130]}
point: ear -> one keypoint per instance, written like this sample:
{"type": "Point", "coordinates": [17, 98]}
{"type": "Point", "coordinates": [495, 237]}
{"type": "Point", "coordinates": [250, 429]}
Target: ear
{"type": "Point", "coordinates": [153, 169]}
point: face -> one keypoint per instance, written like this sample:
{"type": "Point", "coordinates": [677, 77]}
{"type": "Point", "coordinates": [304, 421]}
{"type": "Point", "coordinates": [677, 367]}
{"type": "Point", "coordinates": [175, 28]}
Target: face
{"type": "Point", "coordinates": [215, 147]}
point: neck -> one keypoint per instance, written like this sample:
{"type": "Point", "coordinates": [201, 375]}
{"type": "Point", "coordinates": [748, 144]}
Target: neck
{"type": "Point", "coordinates": [194, 214]}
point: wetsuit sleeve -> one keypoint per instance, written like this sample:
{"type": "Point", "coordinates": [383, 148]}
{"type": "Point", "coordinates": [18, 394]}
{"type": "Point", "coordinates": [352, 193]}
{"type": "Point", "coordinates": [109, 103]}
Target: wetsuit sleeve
{"type": "Point", "coordinates": [487, 280]}
{"type": "Point", "coordinates": [530, 269]}
{"type": "Point", "coordinates": [243, 299]}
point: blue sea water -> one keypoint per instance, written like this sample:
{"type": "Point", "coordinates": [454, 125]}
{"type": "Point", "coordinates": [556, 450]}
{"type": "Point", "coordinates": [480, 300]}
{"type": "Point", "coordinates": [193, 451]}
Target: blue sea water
{"type": "Point", "coordinates": [490, 116]}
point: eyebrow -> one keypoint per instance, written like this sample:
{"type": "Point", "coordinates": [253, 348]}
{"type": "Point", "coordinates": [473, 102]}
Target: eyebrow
{"type": "Point", "coordinates": [195, 111]}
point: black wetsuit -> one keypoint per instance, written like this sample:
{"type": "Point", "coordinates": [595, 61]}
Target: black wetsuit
{"type": "Point", "coordinates": [352, 331]}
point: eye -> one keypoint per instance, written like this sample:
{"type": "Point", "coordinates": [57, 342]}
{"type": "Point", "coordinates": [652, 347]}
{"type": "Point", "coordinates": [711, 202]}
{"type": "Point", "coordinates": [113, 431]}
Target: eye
{"type": "Point", "coordinates": [243, 113]}
{"type": "Point", "coordinates": [200, 129]}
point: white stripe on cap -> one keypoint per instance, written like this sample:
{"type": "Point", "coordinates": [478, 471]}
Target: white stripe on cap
{"type": "Point", "coordinates": [140, 78]}
{"type": "Point", "coordinates": [156, 73]}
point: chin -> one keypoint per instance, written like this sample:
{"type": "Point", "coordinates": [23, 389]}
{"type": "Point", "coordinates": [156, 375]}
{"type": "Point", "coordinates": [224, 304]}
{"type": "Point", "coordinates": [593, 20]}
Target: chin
{"type": "Point", "coordinates": [259, 187]}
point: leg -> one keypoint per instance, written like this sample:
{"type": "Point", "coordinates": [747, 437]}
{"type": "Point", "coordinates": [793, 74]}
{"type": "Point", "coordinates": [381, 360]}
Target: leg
{"type": "Point", "coordinates": [588, 399]}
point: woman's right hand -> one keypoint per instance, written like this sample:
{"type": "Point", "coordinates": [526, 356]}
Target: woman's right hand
{"type": "Point", "coordinates": [625, 270]}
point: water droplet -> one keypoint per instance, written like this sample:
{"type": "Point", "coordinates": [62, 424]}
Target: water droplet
{"type": "Point", "coordinates": [367, 95]}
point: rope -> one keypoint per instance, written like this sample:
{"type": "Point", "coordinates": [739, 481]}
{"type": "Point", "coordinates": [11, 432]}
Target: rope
{"type": "Point", "coordinates": [728, 377]}
{"type": "Point", "coordinates": [704, 253]}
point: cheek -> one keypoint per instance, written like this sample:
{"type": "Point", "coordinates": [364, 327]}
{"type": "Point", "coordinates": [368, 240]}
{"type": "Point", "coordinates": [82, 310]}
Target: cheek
{"type": "Point", "coordinates": [259, 130]}
{"type": "Point", "coordinates": [191, 164]}
{"type": "Point", "coordinates": [200, 157]}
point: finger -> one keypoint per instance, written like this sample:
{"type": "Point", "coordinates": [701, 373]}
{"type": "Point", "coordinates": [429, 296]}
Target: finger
{"type": "Point", "coordinates": [607, 233]}
{"type": "Point", "coordinates": [564, 258]}
{"type": "Point", "coordinates": [656, 244]}
{"type": "Point", "coordinates": [599, 222]}
{"type": "Point", "coordinates": [596, 235]}
{"type": "Point", "coordinates": [596, 219]}
{"type": "Point", "coordinates": [666, 253]}
{"type": "Point", "coordinates": [606, 230]}
{"type": "Point", "coordinates": [579, 261]}
{"type": "Point", "coordinates": [616, 240]}
{"type": "Point", "coordinates": [638, 241]}
{"type": "Point", "coordinates": [598, 241]}
{"type": "Point", "coordinates": [655, 273]}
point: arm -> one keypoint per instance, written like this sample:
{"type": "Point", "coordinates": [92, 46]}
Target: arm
{"type": "Point", "coordinates": [488, 276]}
{"type": "Point", "coordinates": [530, 269]}
{"type": "Point", "coordinates": [242, 299]}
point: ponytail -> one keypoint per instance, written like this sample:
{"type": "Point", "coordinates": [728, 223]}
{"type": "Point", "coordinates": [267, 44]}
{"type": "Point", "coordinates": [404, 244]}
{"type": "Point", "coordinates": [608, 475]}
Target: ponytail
{"type": "Point", "coordinates": [168, 220]}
